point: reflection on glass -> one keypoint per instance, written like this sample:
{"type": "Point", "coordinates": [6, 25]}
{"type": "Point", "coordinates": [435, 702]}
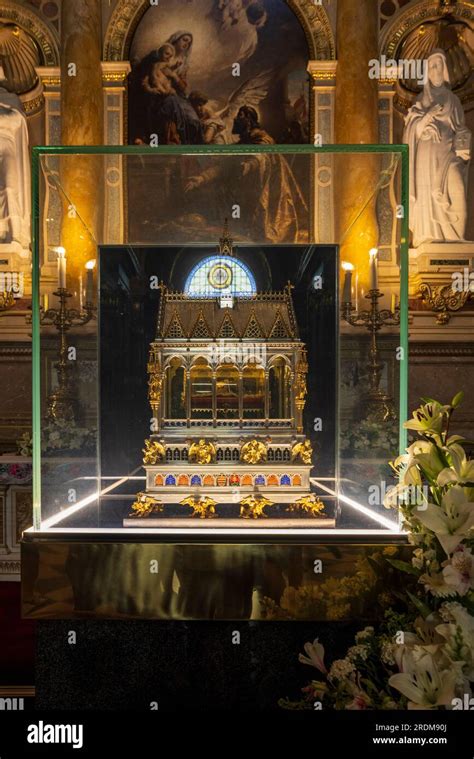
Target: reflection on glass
{"type": "Point", "coordinates": [279, 384]}
{"type": "Point", "coordinates": [253, 384]}
{"type": "Point", "coordinates": [175, 398]}
{"type": "Point", "coordinates": [201, 390]}
{"type": "Point", "coordinates": [227, 392]}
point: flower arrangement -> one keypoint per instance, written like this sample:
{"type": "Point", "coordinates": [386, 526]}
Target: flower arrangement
{"type": "Point", "coordinates": [25, 445]}
{"type": "Point", "coordinates": [63, 437]}
{"type": "Point", "coordinates": [421, 656]}
{"type": "Point", "coordinates": [59, 436]}
{"type": "Point", "coordinates": [373, 585]}
{"type": "Point", "coordinates": [369, 435]}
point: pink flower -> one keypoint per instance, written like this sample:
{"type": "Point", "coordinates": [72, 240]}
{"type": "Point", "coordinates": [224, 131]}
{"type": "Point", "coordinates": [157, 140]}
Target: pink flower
{"type": "Point", "coordinates": [360, 701]}
{"type": "Point", "coordinates": [458, 571]}
{"type": "Point", "coordinates": [315, 656]}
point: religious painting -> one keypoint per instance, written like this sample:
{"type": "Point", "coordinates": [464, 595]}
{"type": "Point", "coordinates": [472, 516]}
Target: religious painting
{"type": "Point", "coordinates": [219, 72]}
{"type": "Point", "coordinates": [230, 352]}
{"type": "Point", "coordinates": [195, 64]}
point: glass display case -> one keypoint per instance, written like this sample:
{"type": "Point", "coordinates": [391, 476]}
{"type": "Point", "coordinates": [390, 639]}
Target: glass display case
{"type": "Point", "coordinates": [219, 339]}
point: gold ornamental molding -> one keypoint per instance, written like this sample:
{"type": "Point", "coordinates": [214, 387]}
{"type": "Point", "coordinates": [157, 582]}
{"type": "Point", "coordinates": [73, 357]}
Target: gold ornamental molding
{"type": "Point", "coordinates": [317, 28]}
{"type": "Point", "coordinates": [128, 14]}
{"type": "Point", "coordinates": [322, 71]}
{"type": "Point", "coordinates": [42, 32]}
{"type": "Point", "coordinates": [412, 16]}
{"type": "Point", "coordinates": [34, 105]}
{"type": "Point", "coordinates": [115, 72]}
{"type": "Point", "coordinates": [33, 101]}
{"type": "Point", "coordinates": [443, 300]}
{"type": "Point", "coordinates": [50, 77]}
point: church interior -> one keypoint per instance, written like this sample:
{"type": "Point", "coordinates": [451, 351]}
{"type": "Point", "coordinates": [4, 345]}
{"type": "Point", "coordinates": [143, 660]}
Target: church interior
{"type": "Point", "coordinates": [236, 252]}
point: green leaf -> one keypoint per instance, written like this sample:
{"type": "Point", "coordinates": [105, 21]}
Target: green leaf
{"type": "Point", "coordinates": [403, 566]}
{"type": "Point", "coordinates": [458, 398]}
{"type": "Point", "coordinates": [428, 400]}
{"type": "Point", "coordinates": [422, 608]}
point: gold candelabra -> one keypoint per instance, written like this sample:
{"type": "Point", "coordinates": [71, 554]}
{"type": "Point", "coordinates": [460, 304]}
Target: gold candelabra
{"type": "Point", "coordinates": [61, 402]}
{"type": "Point", "coordinates": [380, 405]}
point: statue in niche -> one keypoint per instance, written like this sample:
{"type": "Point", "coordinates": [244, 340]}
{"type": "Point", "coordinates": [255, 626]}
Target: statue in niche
{"type": "Point", "coordinates": [14, 169]}
{"type": "Point", "coordinates": [439, 142]}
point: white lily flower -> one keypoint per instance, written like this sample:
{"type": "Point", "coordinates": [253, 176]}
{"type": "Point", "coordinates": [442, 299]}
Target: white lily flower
{"type": "Point", "coordinates": [461, 469]}
{"type": "Point", "coordinates": [426, 455]}
{"type": "Point", "coordinates": [428, 418]}
{"type": "Point", "coordinates": [423, 683]}
{"type": "Point", "coordinates": [452, 521]}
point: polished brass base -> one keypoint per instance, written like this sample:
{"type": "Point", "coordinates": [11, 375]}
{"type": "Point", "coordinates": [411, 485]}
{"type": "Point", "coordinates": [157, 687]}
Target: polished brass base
{"type": "Point", "coordinates": [210, 578]}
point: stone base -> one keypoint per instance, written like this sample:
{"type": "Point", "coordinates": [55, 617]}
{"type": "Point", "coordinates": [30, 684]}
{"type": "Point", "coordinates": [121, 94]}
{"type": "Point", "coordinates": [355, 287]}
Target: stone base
{"type": "Point", "coordinates": [434, 262]}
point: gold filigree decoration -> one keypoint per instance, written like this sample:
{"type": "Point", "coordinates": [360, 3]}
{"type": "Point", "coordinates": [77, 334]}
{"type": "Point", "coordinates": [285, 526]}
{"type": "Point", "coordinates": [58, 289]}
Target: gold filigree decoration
{"type": "Point", "coordinates": [443, 299]}
{"type": "Point", "coordinates": [145, 505]}
{"type": "Point", "coordinates": [301, 389]}
{"type": "Point", "coordinates": [202, 452]}
{"type": "Point", "coordinates": [155, 380]}
{"type": "Point", "coordinates": [308, 504]}
{"type": "Point", "coordinates": [153, 452]}
{"type": "Point", "coordinates": [203, 507]}
{"type": "Point", "coordinates": [31, 106]}
{"type": "Point", "coordinates": [253, 452]}
{"type": "Point", "coordinates": [115, 76]}
{"type": "Point", "coordinates": [7, 300]}
{"type": "Point", "coordinates": [302, 451]}
{"type": "Point", "coordinates": [279, 330]}
{"type": "Point", "coordinates": [252, 506]}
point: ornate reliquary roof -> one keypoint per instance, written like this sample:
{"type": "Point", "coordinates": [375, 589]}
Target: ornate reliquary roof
{"type": "Point", "coordinates": [262, 316]}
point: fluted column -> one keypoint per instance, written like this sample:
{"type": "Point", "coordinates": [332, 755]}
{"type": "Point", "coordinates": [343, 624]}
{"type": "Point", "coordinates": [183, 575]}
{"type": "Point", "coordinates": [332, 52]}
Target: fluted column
{"type": "Point", "coordinates": [81, 124]}
{"type": "Point", "coordinates": [356, 122]}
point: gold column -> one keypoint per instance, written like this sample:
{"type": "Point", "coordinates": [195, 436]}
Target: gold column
{"type": "Point", "coordinates": [82, 123]}
{"type": "Point", "coordinates": [356, 122]}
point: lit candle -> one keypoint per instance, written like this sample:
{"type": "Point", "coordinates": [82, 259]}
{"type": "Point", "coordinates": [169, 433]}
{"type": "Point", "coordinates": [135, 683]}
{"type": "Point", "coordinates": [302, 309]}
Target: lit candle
{"type": "Point", "coordinates": [356, 298]}
{"type": "Point", "coordinates": [90, 280]}
{"type": "Point", "coordinates": [45, 302]}
{"type": "Point", "coordinates": [394, 303]}
{"type": "Point", "coordinates": [61, 267]}
{"type": "Point", "coordinates": [346, 293]}
{"type": "Point", "coordinates": [373, 269]}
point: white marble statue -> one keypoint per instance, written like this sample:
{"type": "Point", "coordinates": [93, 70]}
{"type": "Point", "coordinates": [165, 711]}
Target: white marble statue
{"type": "Point", "coordinates": [439, 143]}
{"type": "Point", "coordinates": [15, 201]}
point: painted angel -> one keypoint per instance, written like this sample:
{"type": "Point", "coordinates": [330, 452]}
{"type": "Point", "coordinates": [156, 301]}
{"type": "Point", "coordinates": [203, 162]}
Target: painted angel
{"type": "Point", "coordinates": [218, 123]}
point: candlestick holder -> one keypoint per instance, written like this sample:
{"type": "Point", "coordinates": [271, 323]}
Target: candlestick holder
{"type": "Point", "coordinates": [61, 402]}
{"type": "Point", "coordinates": [380, 405]}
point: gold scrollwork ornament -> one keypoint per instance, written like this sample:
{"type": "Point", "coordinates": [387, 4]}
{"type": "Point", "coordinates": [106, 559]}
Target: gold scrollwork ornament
{"type": "Point", "coordinates": [308, 504]}
{"type": "Point", "coordinates": [203, 507]}
{"type": "Point", "coordinates": [145, 505]}
{"type": "Point", "coordinates": [253, 452]}
{"type": "Point", "coordinates": [302, 451]}
{"type": "Point", "coordinates": [301, 389]}
{"type": "Point", "coordinates": [153, 452]}
{"type": "Point", "coordinates": [155, 381]}
{"type": "Point", "coordinates": [202, 452]}
{"type": "Point", "coordinates": [252, 506]}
